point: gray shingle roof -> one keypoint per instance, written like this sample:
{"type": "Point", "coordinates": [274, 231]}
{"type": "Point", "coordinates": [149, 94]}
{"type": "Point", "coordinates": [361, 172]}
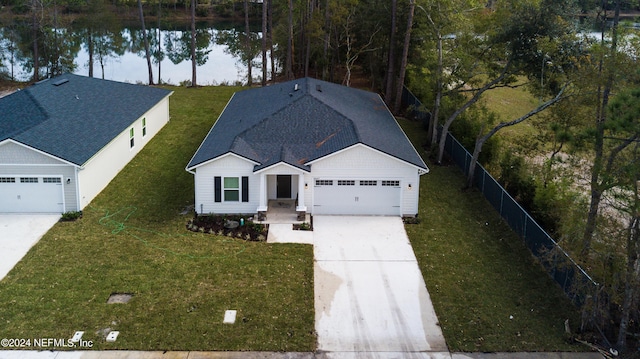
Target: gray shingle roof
{"type": "Point", "coordinates": [278, 123]}
{"type": "Point", "coordinates": [72, 117]}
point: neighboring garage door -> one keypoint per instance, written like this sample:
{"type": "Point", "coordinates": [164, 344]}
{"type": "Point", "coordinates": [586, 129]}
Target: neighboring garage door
{"type": "Point", "coordinates": [31, 194]}
{"type": "Point", "coordinates": [356, 196]}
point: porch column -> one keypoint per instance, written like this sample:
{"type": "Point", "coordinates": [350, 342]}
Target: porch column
{"type": "Point", "coordinates": [301, 205]}
{"type": "Point", "coordinates": [262, 207]}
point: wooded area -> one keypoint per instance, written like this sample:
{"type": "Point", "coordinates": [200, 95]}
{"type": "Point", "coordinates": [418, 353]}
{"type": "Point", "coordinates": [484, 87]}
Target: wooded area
{"type": "Point", "coordinates": [578, 175]}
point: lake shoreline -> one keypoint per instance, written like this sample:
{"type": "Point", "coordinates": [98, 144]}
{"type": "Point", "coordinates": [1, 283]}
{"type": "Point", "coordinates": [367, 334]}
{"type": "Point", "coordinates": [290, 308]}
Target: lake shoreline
{"type": "Point", "coordinates": [128, 14]}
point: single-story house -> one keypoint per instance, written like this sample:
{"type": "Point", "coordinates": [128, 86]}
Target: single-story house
{"type": "Point", "coordinates": [62, 140]}
{"type": "Point", "coordinates": [331, 148]}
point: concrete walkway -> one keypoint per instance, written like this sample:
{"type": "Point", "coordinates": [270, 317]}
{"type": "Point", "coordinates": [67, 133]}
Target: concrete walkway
{"type": "Point", "coordinates": [370, 297]}
{"type": "Point", "coordinates": [18, 233]}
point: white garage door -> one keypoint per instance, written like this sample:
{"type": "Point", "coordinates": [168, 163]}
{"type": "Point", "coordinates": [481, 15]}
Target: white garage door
{"type": "Point", "coordinates": [356, 196]}
{"type": "Point", "coordinates": [31, 194]}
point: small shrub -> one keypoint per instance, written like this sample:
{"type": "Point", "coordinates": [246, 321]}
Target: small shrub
{"type": "Point", "coordinates": [305, 226]}
{"type": "Point", "coordinates": [71, 216]}
{"type": "Point", "coordinates": [215, 224]}
{"type": "Point", "coordinates": [410, 220]}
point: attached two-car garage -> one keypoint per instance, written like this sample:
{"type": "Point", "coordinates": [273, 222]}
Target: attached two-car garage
{"type": "Point", "coordinates": [357, 196]}
{"type": "Point", "coordinates": [31, 194]}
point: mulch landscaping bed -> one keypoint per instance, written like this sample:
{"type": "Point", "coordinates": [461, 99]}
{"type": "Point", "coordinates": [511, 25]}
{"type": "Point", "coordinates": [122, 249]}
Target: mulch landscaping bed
{"type": "Point", "coordinates": [224, 226]}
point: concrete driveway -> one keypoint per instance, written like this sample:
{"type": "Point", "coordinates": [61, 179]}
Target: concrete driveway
{"type": "Point", "coordinates": [18, 233]}
{"type": "Point", "coordinates": [370, 297]}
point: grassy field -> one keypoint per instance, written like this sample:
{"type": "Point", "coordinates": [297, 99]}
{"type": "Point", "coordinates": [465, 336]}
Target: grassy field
{"type": "Point", "coordinates": [511, 103]}
{"type": "Point", "coordinates": [132, 239]}
{"type": "Point", "coordinates": [487, 291]}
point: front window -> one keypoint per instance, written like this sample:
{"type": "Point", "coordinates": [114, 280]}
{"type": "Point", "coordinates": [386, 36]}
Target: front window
{"type": "Point", "coordinates": [346, 183]}
{"type": "Point", "coordinates": [232, 189]}
{"type": "Point", "coordinates": [131, 141]}
{"type": "Point", "coordinates": [144, 126]}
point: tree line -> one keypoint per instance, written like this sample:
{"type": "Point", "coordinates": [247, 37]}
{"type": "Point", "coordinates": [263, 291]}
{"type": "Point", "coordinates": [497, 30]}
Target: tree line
{"type": "Point", "coordinates": [578, 173]}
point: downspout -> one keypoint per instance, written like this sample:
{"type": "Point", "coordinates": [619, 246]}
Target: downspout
{"type": "Point", "coordinates": [77, 186]}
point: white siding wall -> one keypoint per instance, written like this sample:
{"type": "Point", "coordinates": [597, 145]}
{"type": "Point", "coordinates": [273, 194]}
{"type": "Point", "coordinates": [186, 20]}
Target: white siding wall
{"type": "Point", "coordinates": [361, 162]}
{"type": "Point", "coordinates": [106, 164]}
{"type": "Point", "coordinates": [226, 166]}
{"type": "Point", "coordinates": [20, 160]}
{"type": "Point", "coordinates": [358, 162]}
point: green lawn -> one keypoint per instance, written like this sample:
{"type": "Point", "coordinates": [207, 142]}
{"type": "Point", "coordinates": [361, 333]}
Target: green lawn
{"type": "Point", "coordinates": [133, 239]}
{"type": "Point", "coordinates": [479, 274]}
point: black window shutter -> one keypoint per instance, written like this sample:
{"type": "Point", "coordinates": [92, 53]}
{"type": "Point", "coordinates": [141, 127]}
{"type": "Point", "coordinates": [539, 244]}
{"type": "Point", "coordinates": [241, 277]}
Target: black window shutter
{"type": "Point", "coordinates": [245, 189]}
{"type": "Point", "coordinates": [217, 184]}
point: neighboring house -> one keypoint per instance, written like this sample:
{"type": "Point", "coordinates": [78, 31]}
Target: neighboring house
{"type": "Point", "coordinates": [63, 140]}
{"type": "Point", "coordinates": [333, 149]}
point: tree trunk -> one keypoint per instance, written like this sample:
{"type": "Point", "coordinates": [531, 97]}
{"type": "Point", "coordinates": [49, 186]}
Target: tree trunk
{"type": "Point", "coordinates": [391, 62]}
{"type": "Point", "coordinates": [264, 43]}
{"type": "Point", "coordinates": [481, 140]}
{"type": "Point", "coordinates": [90, 50]}
{"type": "Point", "coordinates": [471, 101]}
{"type": "Point", "coordinates": [289, 57]}
{"type": "Point", "coordinates": [632, 276]}
{"type": "Point", "coordinates": [146, 43]}
{"type": "Point", "coordinates": [307, 54]}
{"type": "Point", "coordinates": [247, 43]}
{"type": "Point", "coordinates": [159, 43]}
{"type": "Point", "coordinates": [595, 185]}
{"type": "Point", "coordinates": [194, 82]}
{"type": "Point", "coordinates": [273, 61]}
{"type": "Point", "coordinates": [432, 134]}
{"type": "Point", "coordinates": [56, 66]}
{"type": "Point", "coordinates": [405, 57]}
{"type": "Point", "coordinates": [327, 40]}
{"type": "Point", "coordinates": [35, 28]}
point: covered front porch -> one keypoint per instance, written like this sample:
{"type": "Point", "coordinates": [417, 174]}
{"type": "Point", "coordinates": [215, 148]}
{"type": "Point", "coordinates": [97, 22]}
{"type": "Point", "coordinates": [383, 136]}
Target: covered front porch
{"type": "Point", "coordinates": [282, 195]}
{"type": "Point", "coordinates": [284, 211]}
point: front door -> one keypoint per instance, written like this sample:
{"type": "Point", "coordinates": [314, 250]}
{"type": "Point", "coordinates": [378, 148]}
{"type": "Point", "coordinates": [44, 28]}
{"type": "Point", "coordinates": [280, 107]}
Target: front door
{"type": "Point", "coordinates": [283, 186]}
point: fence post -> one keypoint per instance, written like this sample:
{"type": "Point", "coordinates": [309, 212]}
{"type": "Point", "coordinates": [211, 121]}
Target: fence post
{"type": "Point", "coordinates": [501, 201]}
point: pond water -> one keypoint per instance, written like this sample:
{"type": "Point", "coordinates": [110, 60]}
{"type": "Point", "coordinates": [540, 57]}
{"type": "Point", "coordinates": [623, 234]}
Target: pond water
{"type": "Point", "coordinates": [128, 63]}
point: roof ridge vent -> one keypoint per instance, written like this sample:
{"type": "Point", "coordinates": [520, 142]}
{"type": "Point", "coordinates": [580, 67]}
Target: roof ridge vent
{"type": "Point", "coordinates": [60, 82]}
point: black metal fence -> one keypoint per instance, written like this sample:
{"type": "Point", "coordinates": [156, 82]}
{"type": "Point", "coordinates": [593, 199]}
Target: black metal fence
{"type": "Point", "coordinates": [575, 282]}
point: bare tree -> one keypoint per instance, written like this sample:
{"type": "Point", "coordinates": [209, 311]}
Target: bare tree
{"type": "Point", "coordinates": [352, 52]}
